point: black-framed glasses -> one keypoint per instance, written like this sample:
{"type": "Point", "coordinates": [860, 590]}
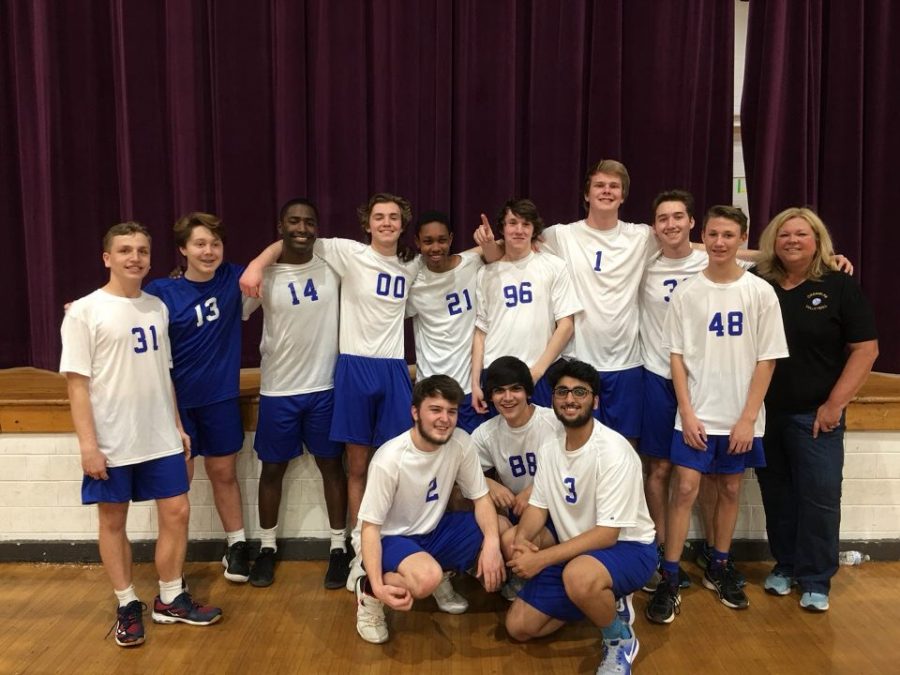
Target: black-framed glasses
{"type": "Point", "coordinates": [578, 392]}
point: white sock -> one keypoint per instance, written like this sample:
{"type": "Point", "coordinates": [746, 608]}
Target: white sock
{"type": "Point", "coordinates": [338, 539]}
{"type": "Point", "coordinates": [236, 536]}
{"type": "Point", "coordinates": [267, 538]}
{"type": "Point", "coordinates": [169, 590]}
{"type": "Point", "coordinates": [126, 595]}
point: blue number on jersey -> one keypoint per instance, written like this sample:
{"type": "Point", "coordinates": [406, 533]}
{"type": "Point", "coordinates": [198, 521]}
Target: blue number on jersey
{"type": "Point", "coordinates": [515, 296]}
{"type": "Point", "coordinates": [572, 497]}
{"type": "Point", "coordinates": [520, 467]}
{"type": "Point", "coordinates": [309, 291]}
{"type": "Point", "coordinates": [734, 321]}
{"type": "Point", "coordinates": [141, 336]}
{"type": "Point", "coordinates": [211, 315]}
{"type": "Point", "coordinates": [384, 287]}
{"type": "Point", "coordinates": [671, 284]}
{"type": "Point", "coordinates": [454, 304]}
{"type": "Point", "coordinates": [597, 261]}
{"type": "Point", "coordinates": [432, 495]}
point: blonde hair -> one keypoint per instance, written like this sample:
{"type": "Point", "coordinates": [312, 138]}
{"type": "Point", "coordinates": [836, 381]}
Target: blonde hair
{"type": "Point", "coordinates": [772, 269]}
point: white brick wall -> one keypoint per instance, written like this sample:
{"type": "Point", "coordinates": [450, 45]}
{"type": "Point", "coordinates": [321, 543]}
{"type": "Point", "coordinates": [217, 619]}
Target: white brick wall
{"type": "Point", "coordinates": [40, 494]}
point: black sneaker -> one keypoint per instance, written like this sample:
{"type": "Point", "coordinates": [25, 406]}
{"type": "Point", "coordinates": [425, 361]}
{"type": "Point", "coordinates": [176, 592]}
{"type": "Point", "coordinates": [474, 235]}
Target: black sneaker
{"type": "Point", "coordinates": [664, 604]}
{"type": "Point", "coordinates": [721, 579]}
{"type": "Point", "coordinates": [338, 569]}
{"type": "Point", "coordinates": [263, 572]}
{"type": "Point", "coordinates": [684, 581]}
{"type": "Point", "coordinates": [237, 562]}
{"type": "Point", "coordinates": [704, 558]}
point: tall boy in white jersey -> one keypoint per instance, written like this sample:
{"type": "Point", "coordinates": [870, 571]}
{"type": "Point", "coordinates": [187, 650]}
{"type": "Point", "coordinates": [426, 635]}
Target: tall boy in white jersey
{"type": "Point", "coordinates": [116, 358]}
{"type": "Point", "coordinates": [299, 349]}
{"type": "Point", "coordinates": [724, 331]}
{"type": "Point", "coordinates": [525, 303]}
{"type": "Point", "coordinates": [509, 445]}
{"type": "Point", "coordinates": [590, 483]}
{"type": "Point", "coordinates": [606, 258]}
{"type": "Point", "coordinates": [442, 306]}
{"type": "Point", "coordinates": [408, 537]}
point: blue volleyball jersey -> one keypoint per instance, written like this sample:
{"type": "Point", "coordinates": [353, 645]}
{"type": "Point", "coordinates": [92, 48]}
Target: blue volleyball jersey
{"type": "Point", "coordinates": [205, 334]}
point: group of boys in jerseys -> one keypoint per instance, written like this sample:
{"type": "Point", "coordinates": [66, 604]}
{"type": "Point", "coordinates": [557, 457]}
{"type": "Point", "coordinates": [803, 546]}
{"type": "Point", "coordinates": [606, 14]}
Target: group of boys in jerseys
{"type": "Point", "coordinates": [545, 499]}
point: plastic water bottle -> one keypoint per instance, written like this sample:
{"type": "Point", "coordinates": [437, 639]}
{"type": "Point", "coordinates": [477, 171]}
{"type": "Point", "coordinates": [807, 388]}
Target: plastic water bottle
{"type": "Point", "coordinates": [852, 558]}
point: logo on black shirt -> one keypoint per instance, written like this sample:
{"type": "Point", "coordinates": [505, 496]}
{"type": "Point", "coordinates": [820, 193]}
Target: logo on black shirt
{"type": "Point", "coordinates": [817, 301]}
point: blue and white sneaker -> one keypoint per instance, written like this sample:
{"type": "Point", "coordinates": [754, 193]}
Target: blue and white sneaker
{"type": "Point", "coordinates": [778, 584]}
{"type": "Point", "coordinates": [618, 655]}
{"type": "Point", "coordinates": [814, 602]}
{"type": "Point", "coordinates": [625, 609]}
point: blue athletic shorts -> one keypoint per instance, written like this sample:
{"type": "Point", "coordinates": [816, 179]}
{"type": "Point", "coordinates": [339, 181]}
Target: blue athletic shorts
{"type": "Point", "coordinates": [620, 400]}
{"type": "Point", "coordinates": [469, 420]}
{"type": "Point", "coordinates": [543, 395]}
{"type": "Point", "coordinates": [286, 423]}
{"type": "Point", "coordinates": [658, 416]}
{"type": "Point", "coordinates": [154, 479]}
{"type": "Point", "coordinates": [376, 398]}
{"type": "Point", "coordinates": [716, 459]}
{"type": "Point", "coordinates": [454, 543]}
{"type": "Point", "coordinates": [629, 563]}
{"type": "Point", "coordinates": [216, 429]}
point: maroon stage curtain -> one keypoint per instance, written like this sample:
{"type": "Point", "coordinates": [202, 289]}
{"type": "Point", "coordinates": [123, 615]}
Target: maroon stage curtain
{"type": "Point", "coordinates": [821, 95]}
{"type": "Point", "coordinates": [137, 109]}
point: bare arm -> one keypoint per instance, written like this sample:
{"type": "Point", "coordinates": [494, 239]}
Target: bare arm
{"type": "Point", "coordinates": [856, 370]}
{"type": "Point", "coordinates": [741, 437]}
{"type": "Point", "coordinates": [565, 328]}
{"type": "Point", "coordinates": [251, 279]}
{"type": "Point", "coordinates": [93, 461]}
{"type": "Point", "coordinates": [490, 568]}
{"type": "Point", "coordinates": [691, 428]}
{"type": "Point", "coordinates": [393, 596]}
{"type": "Point", "coordinates": [528, 563]}
{"type": "Point", "coordinates": [488, 248]}
{"type": "Point", "coordinates": [185, 438]}
{"type": "Point", "coordinates": [478, 401]}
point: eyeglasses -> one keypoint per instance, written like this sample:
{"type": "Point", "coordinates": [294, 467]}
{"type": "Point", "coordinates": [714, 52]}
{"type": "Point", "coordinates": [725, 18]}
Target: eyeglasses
{"type": "Point", "coordinates": [577, 392]}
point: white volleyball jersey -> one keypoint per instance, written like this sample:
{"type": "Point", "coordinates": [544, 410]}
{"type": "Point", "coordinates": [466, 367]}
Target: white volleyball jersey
{"type": "Point", "coordinates": [442, 305]}
{"type": "Point", "coordinates": [661, 278]}
{"type": "Point", "coordinates": [601, 483]}
{"type": "Point", "coordinates": [122, 345]}
{"type": "Point", "coordinates": [299, 345]}
{"type": "Point", "coordinates": [515, 451]}
{"type": "Point", "coordinates": [519, 303]}
{"type": "Point", "coordinates": [374, 289]}
{"type": "Point", "coordinates": [606, 268]}
{"type": "Point", "coordinates": [722, 331]}
{"type": "Point", "coordinates": [407, 490]}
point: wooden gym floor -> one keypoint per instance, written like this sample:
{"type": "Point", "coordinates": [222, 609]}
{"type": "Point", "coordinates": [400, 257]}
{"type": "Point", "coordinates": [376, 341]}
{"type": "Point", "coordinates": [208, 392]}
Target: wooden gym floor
{"type": "Point", "coordinates": [53, 619]}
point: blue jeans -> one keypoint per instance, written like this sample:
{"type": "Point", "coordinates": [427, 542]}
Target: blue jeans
{"type": "Point", "coordinates": [801, 492]}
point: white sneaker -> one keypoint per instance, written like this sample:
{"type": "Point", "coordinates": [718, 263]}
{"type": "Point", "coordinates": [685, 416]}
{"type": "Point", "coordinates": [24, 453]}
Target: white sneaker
{"type": "Point", "coordinates": [370, 622]}
{"type": "Point", "coordinates": [356, 571]}
{"type": "Point", "coordinates": [625, 609]}
{"type": "Point", "coordinates": [448, 600]}
{"type": "Point", "coordinates": [618, 655]}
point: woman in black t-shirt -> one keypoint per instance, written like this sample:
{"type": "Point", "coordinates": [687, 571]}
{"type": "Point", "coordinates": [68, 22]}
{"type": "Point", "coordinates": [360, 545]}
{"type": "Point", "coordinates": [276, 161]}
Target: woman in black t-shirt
{"type": "Point", "coordinates": [832, 342]}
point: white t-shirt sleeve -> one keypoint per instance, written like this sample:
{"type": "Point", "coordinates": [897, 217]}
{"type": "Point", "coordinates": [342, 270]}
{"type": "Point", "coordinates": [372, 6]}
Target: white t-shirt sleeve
{"type": "Point", "coordinates": [77, 345]}
{"type": "Point", "coordinates": [470, 477]}
{"type": "Point", "coordinates": [480, 442]}
{"type": "Point", "coordinates": [248, 306]}
{"type": "Point", "coordinates": [378, 498]}
{"type": "Point", "coordinates": [540, 491]}
{"type": "Point", "coordinates": [620, 493]}
{"type": "Point", "coordinates": [336, 252]}
{"type": "Point", "coordinates": [673, 335]}
{"type": "Point", "coordinates": [562, 294]}
{"type": "Point", "coordinates": [772, 341]}
{"type": "Point", "coordinates": [551, 242]}
{"type": "Point", "coordinates": [481, 318]}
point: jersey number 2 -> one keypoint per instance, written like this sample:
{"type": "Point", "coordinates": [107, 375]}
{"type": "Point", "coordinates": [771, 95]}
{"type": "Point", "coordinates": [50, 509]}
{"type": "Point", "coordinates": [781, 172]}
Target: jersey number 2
{"type": "Point", "coordinates": [432, 495]}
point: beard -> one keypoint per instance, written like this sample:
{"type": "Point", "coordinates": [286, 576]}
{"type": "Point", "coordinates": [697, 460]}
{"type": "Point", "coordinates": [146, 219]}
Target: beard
{"type": "Point", "coordinates": [432, 439]}
{"type": "Point", "coordinates": [575, 422]}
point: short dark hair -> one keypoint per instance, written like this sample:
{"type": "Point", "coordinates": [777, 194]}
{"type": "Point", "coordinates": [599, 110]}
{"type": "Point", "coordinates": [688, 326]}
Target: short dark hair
{"type": "Point", "coordinates": [185, 225]}
{"type": "Point", "coordinates": [682, 196]}
{"type": "Point", "coordinates": [505, 371]}
{"type": "Point", "coordinates": [303, 201]}
{"type": "Point", "coordinates": [732, 213]}
{"type": "Point", "coordinates": [124, 229]}
{"type": "Point", "coordinates": [524, 209]}
{"type": "Point", "coordinates": [578, 370]}
{"type": "Point", "coordinates": [433, 217]}
{"type": "Point", "coordinates": [437, 385]}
